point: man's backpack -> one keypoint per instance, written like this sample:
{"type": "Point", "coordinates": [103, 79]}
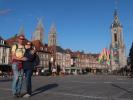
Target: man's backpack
{"type": "Point", "coordinates": [23, 49]}
{"type": "Point", "coordinates": [36, 60]}
{"type": "Point", "coordinates": [15, 46]}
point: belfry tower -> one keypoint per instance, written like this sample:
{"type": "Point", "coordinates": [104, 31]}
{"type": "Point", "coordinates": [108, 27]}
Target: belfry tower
{"type": "Point", "coordinates": [117, 47]}
{"type": "Point", "coordinates": [39, 32]}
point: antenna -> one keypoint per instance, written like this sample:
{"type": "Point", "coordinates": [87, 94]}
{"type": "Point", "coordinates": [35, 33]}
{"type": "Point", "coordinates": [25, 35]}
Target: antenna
{"type": "Point", "coordinates": [116, 4]}
{"type": "Point", "coordinates": [116, 8]}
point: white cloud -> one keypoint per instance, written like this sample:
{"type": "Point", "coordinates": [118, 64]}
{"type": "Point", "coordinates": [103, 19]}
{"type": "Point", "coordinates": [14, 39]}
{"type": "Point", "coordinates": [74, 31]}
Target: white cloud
{"type": "Point", "coordinates": [5, 11]}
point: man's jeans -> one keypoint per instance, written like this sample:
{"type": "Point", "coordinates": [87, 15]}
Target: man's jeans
{"type": "Point", "coordinates": [17, 79]}
{"type": "Point", "coordinates": [28, 74]}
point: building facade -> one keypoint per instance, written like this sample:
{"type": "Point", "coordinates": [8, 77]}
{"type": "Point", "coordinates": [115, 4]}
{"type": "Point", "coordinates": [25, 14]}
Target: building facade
{"type": "Point", "coordinates": [62, 58]}
{"type": "Point", "coordinates": [4, 52]}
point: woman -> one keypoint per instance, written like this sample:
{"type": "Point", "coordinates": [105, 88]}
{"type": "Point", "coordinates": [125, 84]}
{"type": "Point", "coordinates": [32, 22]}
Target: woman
{"type": "Point", "coordinates": [28, 67]}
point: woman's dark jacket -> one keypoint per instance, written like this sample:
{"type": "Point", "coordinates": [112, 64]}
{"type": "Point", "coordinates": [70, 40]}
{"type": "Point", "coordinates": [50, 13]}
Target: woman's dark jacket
{"type": "Point", "coordinates": [28, 64]}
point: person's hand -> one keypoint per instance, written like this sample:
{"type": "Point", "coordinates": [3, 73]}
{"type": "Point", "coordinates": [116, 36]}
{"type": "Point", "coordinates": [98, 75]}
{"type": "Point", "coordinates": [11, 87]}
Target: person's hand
{"type": "Point", "coordinates": [24, 59]}
{"type": "Point", "coordinates": [32, 51]}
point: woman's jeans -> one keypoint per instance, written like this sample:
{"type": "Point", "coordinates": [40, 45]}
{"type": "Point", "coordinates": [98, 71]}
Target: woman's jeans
{"type": "Point", "coordinates": [28, 75]}
{"type": "Point", "coordinates": [17, 79]}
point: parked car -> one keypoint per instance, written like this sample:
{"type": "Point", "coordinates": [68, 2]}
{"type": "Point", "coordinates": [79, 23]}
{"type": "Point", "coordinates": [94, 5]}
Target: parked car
{"type": "Point", "coordinates": [45, 72]}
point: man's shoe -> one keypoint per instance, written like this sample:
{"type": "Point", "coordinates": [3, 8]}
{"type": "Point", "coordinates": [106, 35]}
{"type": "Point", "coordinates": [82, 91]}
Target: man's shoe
{"type": "Point", "coordinates": [26, 95]}
{"type": "Point", "coordinates": [16, 95]}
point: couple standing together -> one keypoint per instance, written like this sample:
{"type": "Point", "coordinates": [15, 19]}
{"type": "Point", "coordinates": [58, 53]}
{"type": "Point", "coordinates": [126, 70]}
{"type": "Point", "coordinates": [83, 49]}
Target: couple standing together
{"type": "Point", "coordinates": [22, 64]}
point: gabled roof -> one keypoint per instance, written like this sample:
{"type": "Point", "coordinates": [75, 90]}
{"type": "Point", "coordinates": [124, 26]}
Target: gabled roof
{"type": "Point", "coordinates": [59, 49]}
{"type": "Point", "coordinates": [3, 44]}
{"type": "Point", "coordinates": [68, 50]}
{"type": "Point", "coordinates": [1, 38]}
{"type": "Point", "coordinates": [38, 45]}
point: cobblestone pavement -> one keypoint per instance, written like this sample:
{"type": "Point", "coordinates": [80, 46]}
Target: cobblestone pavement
{"type": "Point", "coordinates": [76, 87]}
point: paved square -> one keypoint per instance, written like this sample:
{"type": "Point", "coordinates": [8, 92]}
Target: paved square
{"type": "Point", "coordinates": [79, 87]}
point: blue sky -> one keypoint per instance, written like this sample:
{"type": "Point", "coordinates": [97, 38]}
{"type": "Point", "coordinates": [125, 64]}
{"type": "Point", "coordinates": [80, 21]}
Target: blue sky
{"type": "Point", "coordinates": [80, 24]}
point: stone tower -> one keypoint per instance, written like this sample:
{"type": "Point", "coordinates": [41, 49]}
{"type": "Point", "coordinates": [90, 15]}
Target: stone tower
{"type": "Point", "coordinates": [39, 32]}
{"type": "Point", "coordinates": [117, 47]}
{"type": "Point", "coordinates": [52, 43]}
{"type": "Point", "coordinates": [52, 36]}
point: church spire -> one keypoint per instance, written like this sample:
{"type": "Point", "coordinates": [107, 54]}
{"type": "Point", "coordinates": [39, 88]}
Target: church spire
{"type": "Point", "coordinates": [21, 31]}
{"type": "Point", "coordinates": [53, 29]}
{"type": "Point", "coordinates": [39, 25]}
{"type": "Point", "coordinates": [116, 12]}
{"type": "Point", "coordinates": [116, 22]}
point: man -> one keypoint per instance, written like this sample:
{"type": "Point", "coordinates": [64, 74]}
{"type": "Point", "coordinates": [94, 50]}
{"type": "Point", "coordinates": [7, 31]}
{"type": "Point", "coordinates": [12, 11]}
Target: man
{"type": "Point", "coordinates": [18, 51]}
{"type": "Point", "coordinates": [28, 67]}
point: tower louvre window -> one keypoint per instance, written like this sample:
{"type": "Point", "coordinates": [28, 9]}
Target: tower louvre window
{"type": "Point", "coordinates": [115, 37]}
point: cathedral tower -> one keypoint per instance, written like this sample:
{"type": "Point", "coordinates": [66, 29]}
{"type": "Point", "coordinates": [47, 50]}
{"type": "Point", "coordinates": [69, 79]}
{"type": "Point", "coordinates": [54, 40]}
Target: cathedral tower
{"type": "Point", "coordinates": [39, 32]}
{"type": "Point", "coordinates": [52, 36]}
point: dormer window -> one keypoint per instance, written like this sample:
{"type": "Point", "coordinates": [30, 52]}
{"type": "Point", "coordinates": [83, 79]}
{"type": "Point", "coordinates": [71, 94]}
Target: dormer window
{"type": "Point", "coordinates": [2, 42]}
{"type": "Point", "coordinates": [41, 48]}
{"type": "Point", "coordinates": [46, 49]}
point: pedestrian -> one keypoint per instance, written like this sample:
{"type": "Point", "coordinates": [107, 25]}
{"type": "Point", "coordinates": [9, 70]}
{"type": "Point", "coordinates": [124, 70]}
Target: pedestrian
{"type": "Point", "coordinates": [58, 69]}
{"type": "Point", "coordinates": [50, 68]}
{"type": "Point", "coordinates": [54, 71]}
{"type": "Point", "coordinates": [63, 71]}
{"type": "Point", "coordinates": [28, 67]}
{"type": "Point", "coordinates": [17, 51]}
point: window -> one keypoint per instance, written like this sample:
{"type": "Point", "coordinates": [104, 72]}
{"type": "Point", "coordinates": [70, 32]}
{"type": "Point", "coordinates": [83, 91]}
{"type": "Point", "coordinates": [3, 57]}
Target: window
{"type": "Point", "coordinates": [115, 30]}
{"type": "Point", "coordinates": [115, 37]}
{"type": "Point", "coordinates": [46, 49]}
{"type": "Point", "coordinates": [3, 59]}
{"type": "Point", "coordinates": [41, 48]}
